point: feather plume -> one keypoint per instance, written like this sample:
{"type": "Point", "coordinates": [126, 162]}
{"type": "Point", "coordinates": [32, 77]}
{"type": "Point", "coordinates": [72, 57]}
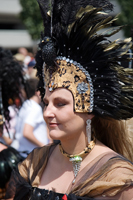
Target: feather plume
{"type": "Point", "coordinates": [76, 35]}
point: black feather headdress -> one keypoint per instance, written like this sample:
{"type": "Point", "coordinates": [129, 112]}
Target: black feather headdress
{"type": "Point", "coordinates": [72, 39]}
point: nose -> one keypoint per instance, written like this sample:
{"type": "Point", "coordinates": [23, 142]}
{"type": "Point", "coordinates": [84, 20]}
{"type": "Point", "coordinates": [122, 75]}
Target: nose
{"type": "Point", "coordinates": [48, 112]}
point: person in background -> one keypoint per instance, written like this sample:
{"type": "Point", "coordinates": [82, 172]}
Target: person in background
{"type": "Point", "coordinates": [9, 128]}
{"type": "Point", "coordinates": [27, 55]}
{"type": "Point", "coordinates": [20, 58]}
{"type": "Point", "coordinates": [11, 82]}
{"type": "Point", "coordinates": [31, 130]}
{"type": "Point", "coordinates": [24, 56]}
{"type": "Point", "coordinates": [31, 70]}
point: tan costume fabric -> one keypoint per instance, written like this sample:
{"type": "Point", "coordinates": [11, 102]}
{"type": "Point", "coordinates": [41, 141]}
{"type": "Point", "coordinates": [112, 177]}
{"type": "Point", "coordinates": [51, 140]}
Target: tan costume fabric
{"type": "Point", "coordinates": [106, 175]}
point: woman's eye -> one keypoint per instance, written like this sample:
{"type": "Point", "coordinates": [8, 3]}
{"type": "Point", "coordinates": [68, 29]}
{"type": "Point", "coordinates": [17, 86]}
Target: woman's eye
{"type": "Point", "coordinates": [61, 104]}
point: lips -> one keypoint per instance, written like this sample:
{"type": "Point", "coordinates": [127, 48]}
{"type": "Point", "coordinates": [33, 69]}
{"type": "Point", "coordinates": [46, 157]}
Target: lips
{"type": "Point", "coordinates": [53, 124]}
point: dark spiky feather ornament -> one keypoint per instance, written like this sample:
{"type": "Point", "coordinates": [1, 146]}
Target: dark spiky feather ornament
{"type": "Point", "coordinates": [72, 33]}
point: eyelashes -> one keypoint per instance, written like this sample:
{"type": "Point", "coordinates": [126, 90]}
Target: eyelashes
{"type": "Point", "coordinates": [56, 104]}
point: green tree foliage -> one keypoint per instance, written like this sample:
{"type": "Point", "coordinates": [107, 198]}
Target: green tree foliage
{"type": "Point", "coordinates": [126, 16]}
{"type": "Point", "coordinates": [31, 17]}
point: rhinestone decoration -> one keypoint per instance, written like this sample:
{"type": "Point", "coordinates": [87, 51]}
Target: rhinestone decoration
{"type": "Point", "coordinates": [82, 87]}
{"type": "Point", "coordinates": [51, 87]}
{"type": "Point", "coordinates": [76, 162]}
{"type": "Point", "coordinates": [87, 76]}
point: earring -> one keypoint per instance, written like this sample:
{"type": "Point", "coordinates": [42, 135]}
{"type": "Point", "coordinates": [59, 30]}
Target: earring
{"type": "Point", "coordinates": [88, 129]}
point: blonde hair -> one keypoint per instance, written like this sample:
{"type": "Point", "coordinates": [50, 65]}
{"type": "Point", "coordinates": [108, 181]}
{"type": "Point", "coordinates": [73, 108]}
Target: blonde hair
{"type": "Point", "coordinates": [113, 134]}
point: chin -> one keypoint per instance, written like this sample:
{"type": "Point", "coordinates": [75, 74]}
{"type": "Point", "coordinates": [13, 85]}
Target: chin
{"type": "Point", "coordinates": [56, 135]}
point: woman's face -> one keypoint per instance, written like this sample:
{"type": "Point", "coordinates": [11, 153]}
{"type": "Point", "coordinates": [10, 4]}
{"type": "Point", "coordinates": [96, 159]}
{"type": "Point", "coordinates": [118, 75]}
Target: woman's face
{"type": "Point", "coordinates": [62, 121]}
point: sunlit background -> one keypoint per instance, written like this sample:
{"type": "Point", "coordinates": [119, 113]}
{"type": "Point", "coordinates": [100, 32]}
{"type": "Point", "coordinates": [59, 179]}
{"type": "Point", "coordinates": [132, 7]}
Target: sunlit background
{"type": "Point", "coordinates": [20, 21]}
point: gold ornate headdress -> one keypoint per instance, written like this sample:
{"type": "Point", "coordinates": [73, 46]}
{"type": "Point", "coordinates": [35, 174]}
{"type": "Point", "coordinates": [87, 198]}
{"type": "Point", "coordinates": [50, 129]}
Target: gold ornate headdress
{"type": "Point", "coordinates": [74, 55]}
{"type": "Point", "coordinates": [75, 78]}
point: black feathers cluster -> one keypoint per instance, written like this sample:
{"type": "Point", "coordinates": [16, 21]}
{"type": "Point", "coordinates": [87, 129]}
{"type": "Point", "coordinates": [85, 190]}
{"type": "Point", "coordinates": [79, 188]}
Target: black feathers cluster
{"type": "Point", "coordinates": [73, 28]}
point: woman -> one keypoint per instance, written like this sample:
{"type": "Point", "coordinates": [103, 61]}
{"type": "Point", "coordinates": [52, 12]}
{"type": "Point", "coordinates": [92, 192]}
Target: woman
{"type": "Point", "coordinates": [81, 81]}
{"type": "Point", "coordinates": [11, 81]}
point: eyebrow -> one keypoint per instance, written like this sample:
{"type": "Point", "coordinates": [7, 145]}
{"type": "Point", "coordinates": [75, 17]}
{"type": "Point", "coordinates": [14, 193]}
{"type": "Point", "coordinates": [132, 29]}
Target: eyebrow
{"type": "Point", "coordinates": [56, 98]}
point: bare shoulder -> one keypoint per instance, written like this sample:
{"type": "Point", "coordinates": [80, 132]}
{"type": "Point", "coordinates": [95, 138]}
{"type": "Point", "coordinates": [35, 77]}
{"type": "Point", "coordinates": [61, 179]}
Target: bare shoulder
{"type": "Point", "coordinates": [99, 151]}
{"type": "Point", "coordinates": [101, 148]}
{"type": "Point", "coordinates": [2, 147]}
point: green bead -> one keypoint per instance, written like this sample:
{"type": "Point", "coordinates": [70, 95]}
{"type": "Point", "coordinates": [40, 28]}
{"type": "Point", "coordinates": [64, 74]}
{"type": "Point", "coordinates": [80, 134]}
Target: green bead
{"type": "Point", "coordinates": [78, 158]}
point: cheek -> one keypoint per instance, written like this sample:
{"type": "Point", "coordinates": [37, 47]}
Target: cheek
{"type": "Point", "coordinates": [73, 122]}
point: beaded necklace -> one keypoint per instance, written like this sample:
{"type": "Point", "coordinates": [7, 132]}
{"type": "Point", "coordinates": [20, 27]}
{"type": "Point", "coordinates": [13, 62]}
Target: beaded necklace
{"type": "Point", "coordinates": [77, 158]}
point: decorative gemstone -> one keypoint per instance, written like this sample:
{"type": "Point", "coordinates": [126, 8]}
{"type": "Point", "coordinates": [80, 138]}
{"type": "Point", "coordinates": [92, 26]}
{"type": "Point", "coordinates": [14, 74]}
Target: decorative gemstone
{"type": "Point", "coordinates": [73, 181]}
{"type": "Point", "coordinates": [89, 79]}
{"type": "Point", "coordinates": [82, 87]}
{"type": "Point", "coordinates": [78, 158]}
{"type": "Point", "coordinates": [50, 89]}
{"type": "Point", "coordinates": [67, 60]}
{"type": "Point", "coordinates": [84, 70]}
{"type": "Point", "coordinates": [75, 63]}
{"type": "Point", "coordinates": [78, 65]}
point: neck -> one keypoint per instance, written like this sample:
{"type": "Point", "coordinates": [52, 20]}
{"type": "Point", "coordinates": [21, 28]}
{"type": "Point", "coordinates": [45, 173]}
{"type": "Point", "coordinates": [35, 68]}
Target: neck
{"type": "Point", "coordinates": [36, 99]}
{"type": "Point", "coordinates": [74, 146]}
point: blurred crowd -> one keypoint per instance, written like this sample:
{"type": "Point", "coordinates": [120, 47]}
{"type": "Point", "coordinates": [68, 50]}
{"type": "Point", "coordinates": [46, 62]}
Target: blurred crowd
{"type": "Point", "coordinates": [26, 128]}
{"type": "Point", "coordinates": [28, 61]}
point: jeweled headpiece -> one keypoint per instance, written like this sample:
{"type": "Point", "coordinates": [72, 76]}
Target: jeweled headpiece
{"type": "Point", "coordinates": [74, 55]}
